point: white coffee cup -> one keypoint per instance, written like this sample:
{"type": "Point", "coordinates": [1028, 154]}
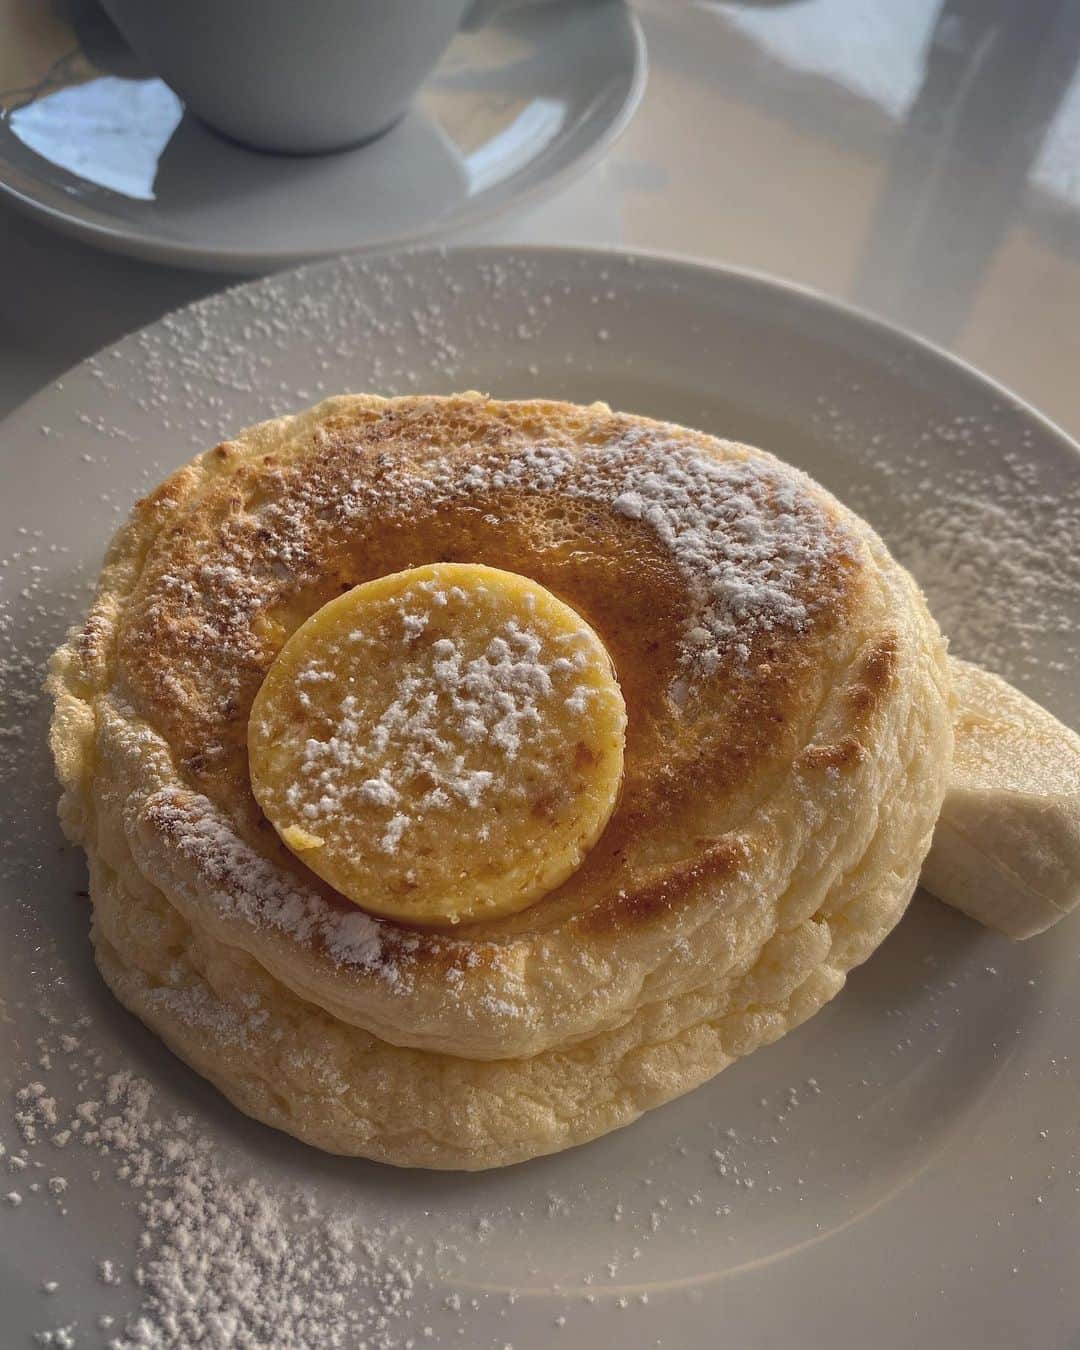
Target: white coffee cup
{"type": "Point", "coordinates": [298, 76]}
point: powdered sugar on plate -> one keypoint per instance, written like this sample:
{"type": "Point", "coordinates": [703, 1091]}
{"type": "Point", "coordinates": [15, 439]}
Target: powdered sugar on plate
{"type": "Point", "coordinates": [994, 548]}
{"type": "Point", "coordinates": [221, 1259]}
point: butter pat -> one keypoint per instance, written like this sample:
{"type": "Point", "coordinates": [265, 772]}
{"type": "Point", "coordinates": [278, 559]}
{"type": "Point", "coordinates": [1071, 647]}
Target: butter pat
{"type": "Point", "coordinates": [441, 745]}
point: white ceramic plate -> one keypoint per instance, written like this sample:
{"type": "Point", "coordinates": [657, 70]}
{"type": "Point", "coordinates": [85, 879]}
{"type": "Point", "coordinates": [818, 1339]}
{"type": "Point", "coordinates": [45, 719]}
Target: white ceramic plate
{"type": "Point", "coordinates": [92, 145]}
{"type": "Point", "coordinates": [903, 1169]}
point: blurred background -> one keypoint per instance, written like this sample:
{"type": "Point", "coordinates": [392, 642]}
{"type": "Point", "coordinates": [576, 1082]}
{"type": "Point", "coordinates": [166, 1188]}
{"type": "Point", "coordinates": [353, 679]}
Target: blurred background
{"type": "Point", "coordinates": [920, 158]}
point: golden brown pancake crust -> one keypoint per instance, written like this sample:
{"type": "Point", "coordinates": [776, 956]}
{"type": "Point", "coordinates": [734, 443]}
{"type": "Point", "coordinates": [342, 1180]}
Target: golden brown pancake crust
{"type": "Point", "coordinates": [271, 538]}
{"type": "Point", "coordinates": [772, 656]}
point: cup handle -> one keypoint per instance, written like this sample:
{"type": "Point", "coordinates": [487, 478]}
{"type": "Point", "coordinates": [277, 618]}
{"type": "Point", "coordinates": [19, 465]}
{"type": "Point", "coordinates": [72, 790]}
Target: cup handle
{"type": "Point", "coordinates": [481, 12]}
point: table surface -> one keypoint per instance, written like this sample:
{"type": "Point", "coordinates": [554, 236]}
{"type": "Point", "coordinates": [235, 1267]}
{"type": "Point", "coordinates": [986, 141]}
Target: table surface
{"type": "Point", "coordinates": [920, 159]}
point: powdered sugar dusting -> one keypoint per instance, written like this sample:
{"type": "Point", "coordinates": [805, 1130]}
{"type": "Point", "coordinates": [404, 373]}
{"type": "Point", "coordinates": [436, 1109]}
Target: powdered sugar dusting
{"type": "Point", "coordinates": [747, 534]}
{"type": "Point", "coordinates": [752, 539]}
{"type": "Point", "coordinates": [219, 1258]}
{"type": "Point", "coordinates": [992, 543]}
{"type": "Point", "coordinates": [222, 1260]}
{"type": "Point", "coordinates": [455, 722]}
{"type": "Point", "coordinates": [247, 885]}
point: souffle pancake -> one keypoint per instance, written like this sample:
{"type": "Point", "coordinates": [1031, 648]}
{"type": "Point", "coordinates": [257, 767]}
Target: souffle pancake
{"type": "Point", "coordinates": [459, 779]}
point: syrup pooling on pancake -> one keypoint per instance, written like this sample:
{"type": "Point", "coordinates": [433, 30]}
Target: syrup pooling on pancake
{"type": "Point", "coordinates": [441, 744]}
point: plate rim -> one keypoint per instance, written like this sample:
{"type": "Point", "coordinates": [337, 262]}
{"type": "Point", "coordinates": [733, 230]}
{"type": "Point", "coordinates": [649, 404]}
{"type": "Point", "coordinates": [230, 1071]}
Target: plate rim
{"type": "Point", "coordinates": [253, 264]}
{"type": "Point", "coordinates": [776, 286]}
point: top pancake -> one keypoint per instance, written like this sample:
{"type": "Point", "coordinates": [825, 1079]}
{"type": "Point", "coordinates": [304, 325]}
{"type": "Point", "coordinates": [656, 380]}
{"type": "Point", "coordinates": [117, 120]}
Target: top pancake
{"type": "Point", "coordinates": [766, 644]}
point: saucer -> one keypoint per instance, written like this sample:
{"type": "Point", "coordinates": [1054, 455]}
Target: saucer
{"type": "Point", "coordinates": [95, 146]}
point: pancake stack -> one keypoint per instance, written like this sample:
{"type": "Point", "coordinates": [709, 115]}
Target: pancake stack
{"type": "Point", "coordinates": [774, 700]}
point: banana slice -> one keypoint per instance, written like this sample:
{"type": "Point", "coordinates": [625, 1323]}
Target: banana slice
{"type": "Point", "coordinates": [1006, 848]}
{"type": "Point", "coordinates": [441, 745]}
